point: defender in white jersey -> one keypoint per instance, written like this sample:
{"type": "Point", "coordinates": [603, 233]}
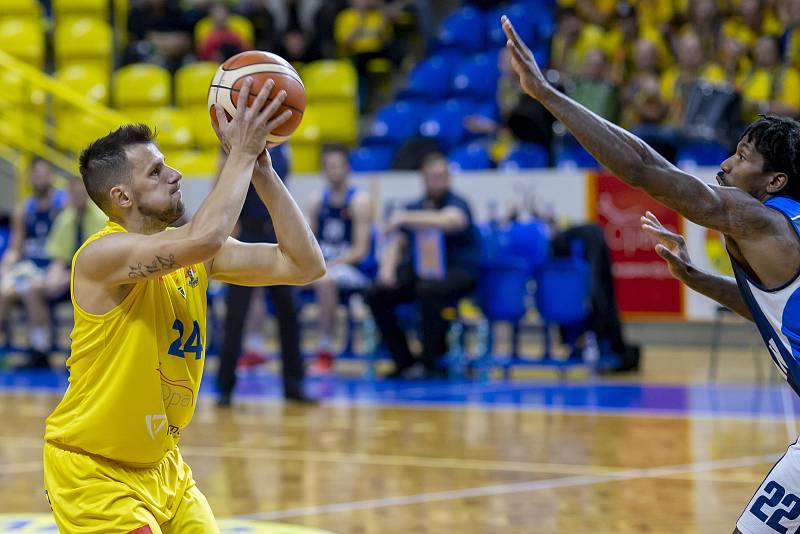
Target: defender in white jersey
{"type": "Point", "coordinates": [756, 206]}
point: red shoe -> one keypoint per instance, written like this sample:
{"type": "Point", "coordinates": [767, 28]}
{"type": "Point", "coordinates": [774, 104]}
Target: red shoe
{"type": "Point", "coordinates": [322, 364]}
{"type": "Point", "coordinates": [251, 359]}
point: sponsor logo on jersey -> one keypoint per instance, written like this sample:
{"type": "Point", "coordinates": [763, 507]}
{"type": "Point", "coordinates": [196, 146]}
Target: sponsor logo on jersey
{"type": "Point", "coordinates": [155, 423]}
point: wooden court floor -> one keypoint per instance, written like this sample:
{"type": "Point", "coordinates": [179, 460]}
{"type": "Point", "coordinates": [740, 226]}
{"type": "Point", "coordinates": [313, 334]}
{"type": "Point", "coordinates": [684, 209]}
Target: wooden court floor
{"type": "Point", "coordinates": [351, 467]}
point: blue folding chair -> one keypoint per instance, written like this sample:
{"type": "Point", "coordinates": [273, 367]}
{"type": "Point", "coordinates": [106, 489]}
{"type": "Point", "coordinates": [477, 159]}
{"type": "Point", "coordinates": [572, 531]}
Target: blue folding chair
{"type": "Point", "coordinates": [574, 155]}
{"type": "Point", "coordinates": [396, 122]}
{"type": "Point", "coordinates": [702, 155]}
{"type": "Point", "coordinates": [445, 124]}
{"type": "Point", "coordinates": [429, 79]}
{"type": "Point", "coordinates": [470, 157]}
{"type": "Point", "coordinates": [476, 77]}
{"type": "Point", "coordinates": [526, 156]}
{"type": "Point", "coordinates": [372, 158]}
{"type": "Point", "coordinates": [464, 29]}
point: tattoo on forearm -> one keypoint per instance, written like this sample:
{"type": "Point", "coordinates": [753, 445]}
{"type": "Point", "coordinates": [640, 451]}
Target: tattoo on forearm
{"type": "Point", "coordinates": [159, 264]}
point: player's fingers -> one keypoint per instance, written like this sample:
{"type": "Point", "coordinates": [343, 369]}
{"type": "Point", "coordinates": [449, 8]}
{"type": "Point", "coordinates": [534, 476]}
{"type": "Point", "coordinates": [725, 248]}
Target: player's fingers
{"type": "Point", "coordinates": [280, 119]}
{"type": "Point", "coordinates": [512, 35]}
{"type": "Point", "coordinates": [222, 118]}
{"type": "Point", "coordinates": [261, 98]}
{"type": "Point", "coordinates": [651, 217]}
{"type": "Point", "coordinates": [669, 256]}
{"type": "Point", "coordinates": [244, 95]}
{"type": "Point", "coordinates": [663, 233]}
{"type": "Point", "coordinates": [272, 107]}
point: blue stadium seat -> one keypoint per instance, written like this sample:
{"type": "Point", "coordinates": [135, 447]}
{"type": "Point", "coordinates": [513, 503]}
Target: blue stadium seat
{"type": "Point", "coordinates": [526, 156]}
{"type": "Point", "coordinates": [476, 76]}
{"type": "Point", "coordinates": [524, 22]}
{"type": "Point", "coordinates": [471, 157]}
{"type": "Point", "coordinates": [464, 29]}
{"type": "Point", "coordinates": [445, 124]}
{"type": "Point", "coordinates": [394, 123]}
{"type": "Point", "coordinates": [574, 155]}
{"type": "Point", "coordinates": [372, 158]}
{"type": "Point", "coordinates": [429, 79]}
{"type": "Point", "coordinates": [702, 154]}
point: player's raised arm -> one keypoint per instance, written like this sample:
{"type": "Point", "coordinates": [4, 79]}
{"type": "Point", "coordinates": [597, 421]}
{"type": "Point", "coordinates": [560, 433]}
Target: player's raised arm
{"type": "Point", "coordinates": [295, 260]}
{"type": "Point", "coordinates": [152, 192]}
{"type": "Point", "coordinates": [727, 209]}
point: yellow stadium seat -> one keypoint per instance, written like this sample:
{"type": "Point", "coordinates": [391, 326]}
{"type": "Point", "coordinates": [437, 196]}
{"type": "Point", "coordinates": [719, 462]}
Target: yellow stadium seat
{"type": "Point", "coordinates": [22, 110]}
{"type": "Point", "coordinates": [237, 23]}
{"type": "Point", "coordinates": [331, 87]}
{"type": "Point", "coordinates": [90, 8]}
{"type": "Point", "coordinates": [23, 38]}
{"type": "Point", "coordinates": [75, 129]}
{"type": "Point", "coordinates": [141, 85]}
{"type": "Point", "coordinates": [305, 143]}
{"type": "Point", "coordinates": [83, 41]}
{"type": "Point", "coordinates": [173, 127]}
{"type": "Point", "coordinates": [203, 132]}
{"type": "Point", "coordinates": [21, 8]}
{"type": "Point", "coordinates": [194, 163]}
{"type": "Point", "coordinates": [86, 80]}
{"type": "Point", "coordinates": [330, 78]}
{"type": "Point", "coordinates": [191, 83]}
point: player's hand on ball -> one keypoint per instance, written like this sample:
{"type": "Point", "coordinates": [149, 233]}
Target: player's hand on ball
{"type": "Point", "coordinates": [670, 246]}
{"type": "Point", "coordinates": [250, 125]}
{"type": "Point", "coordinates": [530, 75]}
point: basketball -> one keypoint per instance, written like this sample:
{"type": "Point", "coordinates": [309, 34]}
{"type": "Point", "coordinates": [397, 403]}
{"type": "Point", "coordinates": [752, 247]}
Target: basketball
{"type": "Point", "coordinates": [260, 66]}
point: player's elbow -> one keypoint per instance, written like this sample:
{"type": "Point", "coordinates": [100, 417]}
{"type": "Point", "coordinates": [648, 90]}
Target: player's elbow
{"type": "Point", "coordinates": [315, 271]}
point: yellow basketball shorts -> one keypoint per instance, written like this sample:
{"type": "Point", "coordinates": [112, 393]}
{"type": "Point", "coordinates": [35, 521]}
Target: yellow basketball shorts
{"type": "Point", "coordinates": [91, 494]}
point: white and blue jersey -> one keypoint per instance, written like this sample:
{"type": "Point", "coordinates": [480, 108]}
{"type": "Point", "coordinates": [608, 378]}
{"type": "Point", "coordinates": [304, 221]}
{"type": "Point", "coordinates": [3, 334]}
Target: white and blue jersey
{"type": "Point", "coordinates": [775, 507]}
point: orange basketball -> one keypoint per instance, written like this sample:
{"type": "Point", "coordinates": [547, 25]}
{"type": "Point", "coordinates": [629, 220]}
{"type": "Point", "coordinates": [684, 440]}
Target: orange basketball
{"type": "Point", "coordinates": [260, 66]}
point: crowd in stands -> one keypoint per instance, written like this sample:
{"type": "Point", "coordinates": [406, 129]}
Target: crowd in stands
{"type": "Point", "coordinates": [680, 71]}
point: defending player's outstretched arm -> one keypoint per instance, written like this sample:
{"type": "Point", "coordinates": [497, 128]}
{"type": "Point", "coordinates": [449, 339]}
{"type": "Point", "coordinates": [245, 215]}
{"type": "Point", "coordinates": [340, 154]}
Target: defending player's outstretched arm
{"type": "Point", "coordinates": [672, 247]}
{"type": "Point", "coordinates": [726, 209]}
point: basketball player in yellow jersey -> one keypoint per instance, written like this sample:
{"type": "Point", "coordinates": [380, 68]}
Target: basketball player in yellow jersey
{"type": "Point", "coordinates": [111, 457]}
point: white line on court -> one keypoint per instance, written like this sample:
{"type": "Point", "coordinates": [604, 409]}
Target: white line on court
{"type": "Point", "coordinates": [519, 487]}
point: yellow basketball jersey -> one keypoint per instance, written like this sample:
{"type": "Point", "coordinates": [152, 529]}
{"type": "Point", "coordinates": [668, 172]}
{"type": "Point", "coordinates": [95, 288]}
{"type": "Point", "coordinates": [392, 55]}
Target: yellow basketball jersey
{"type": "Point", "coordinates": [134, 371]}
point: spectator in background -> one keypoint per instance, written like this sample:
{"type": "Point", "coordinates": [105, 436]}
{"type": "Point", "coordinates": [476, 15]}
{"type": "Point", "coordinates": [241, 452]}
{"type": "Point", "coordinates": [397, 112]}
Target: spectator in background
{"type": "Point", "coordinates": [339, 216]}
{"type": "Point", "coordinates": [521, 118]}
{"type": "Point", "coordinates": [158, 32]}
{"type": "Point", "coordinates": [593, 88]}
{"type": "Point", "coordinates": [294, 29]}
{"type": "Point", "coordinates": [691, 68]}
{"type": "Point", "coordinates": [753, 19]}
{"type": "Point", "coordinates": [256, 227]}
{"type": "Point", "coordinates": [642, 104]}
{"type": "Point", "coordinates": [438, 231]}
{"type": "Point", "coordinates": [770, 87]}
{"type": "Point", "coordinates": [734, 60]}
{"type": "Point", "coordinates": [789, 11]}
{"type": "Point", "coordinates": [703, 19]}
{"type": "Point", "coordinates": [24, 265]}
{"type": "Point", "coordinates": [77, 221]}
{"type": "Point", "coordinates": [363, 33]}
{"type": "Point", "coordinates": [221, 42]}
{"type": "Point", "coordinates": [565, 55]}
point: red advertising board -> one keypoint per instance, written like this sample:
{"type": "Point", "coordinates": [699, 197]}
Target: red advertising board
{"type": "Point", "coordinates": [643, 283]}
